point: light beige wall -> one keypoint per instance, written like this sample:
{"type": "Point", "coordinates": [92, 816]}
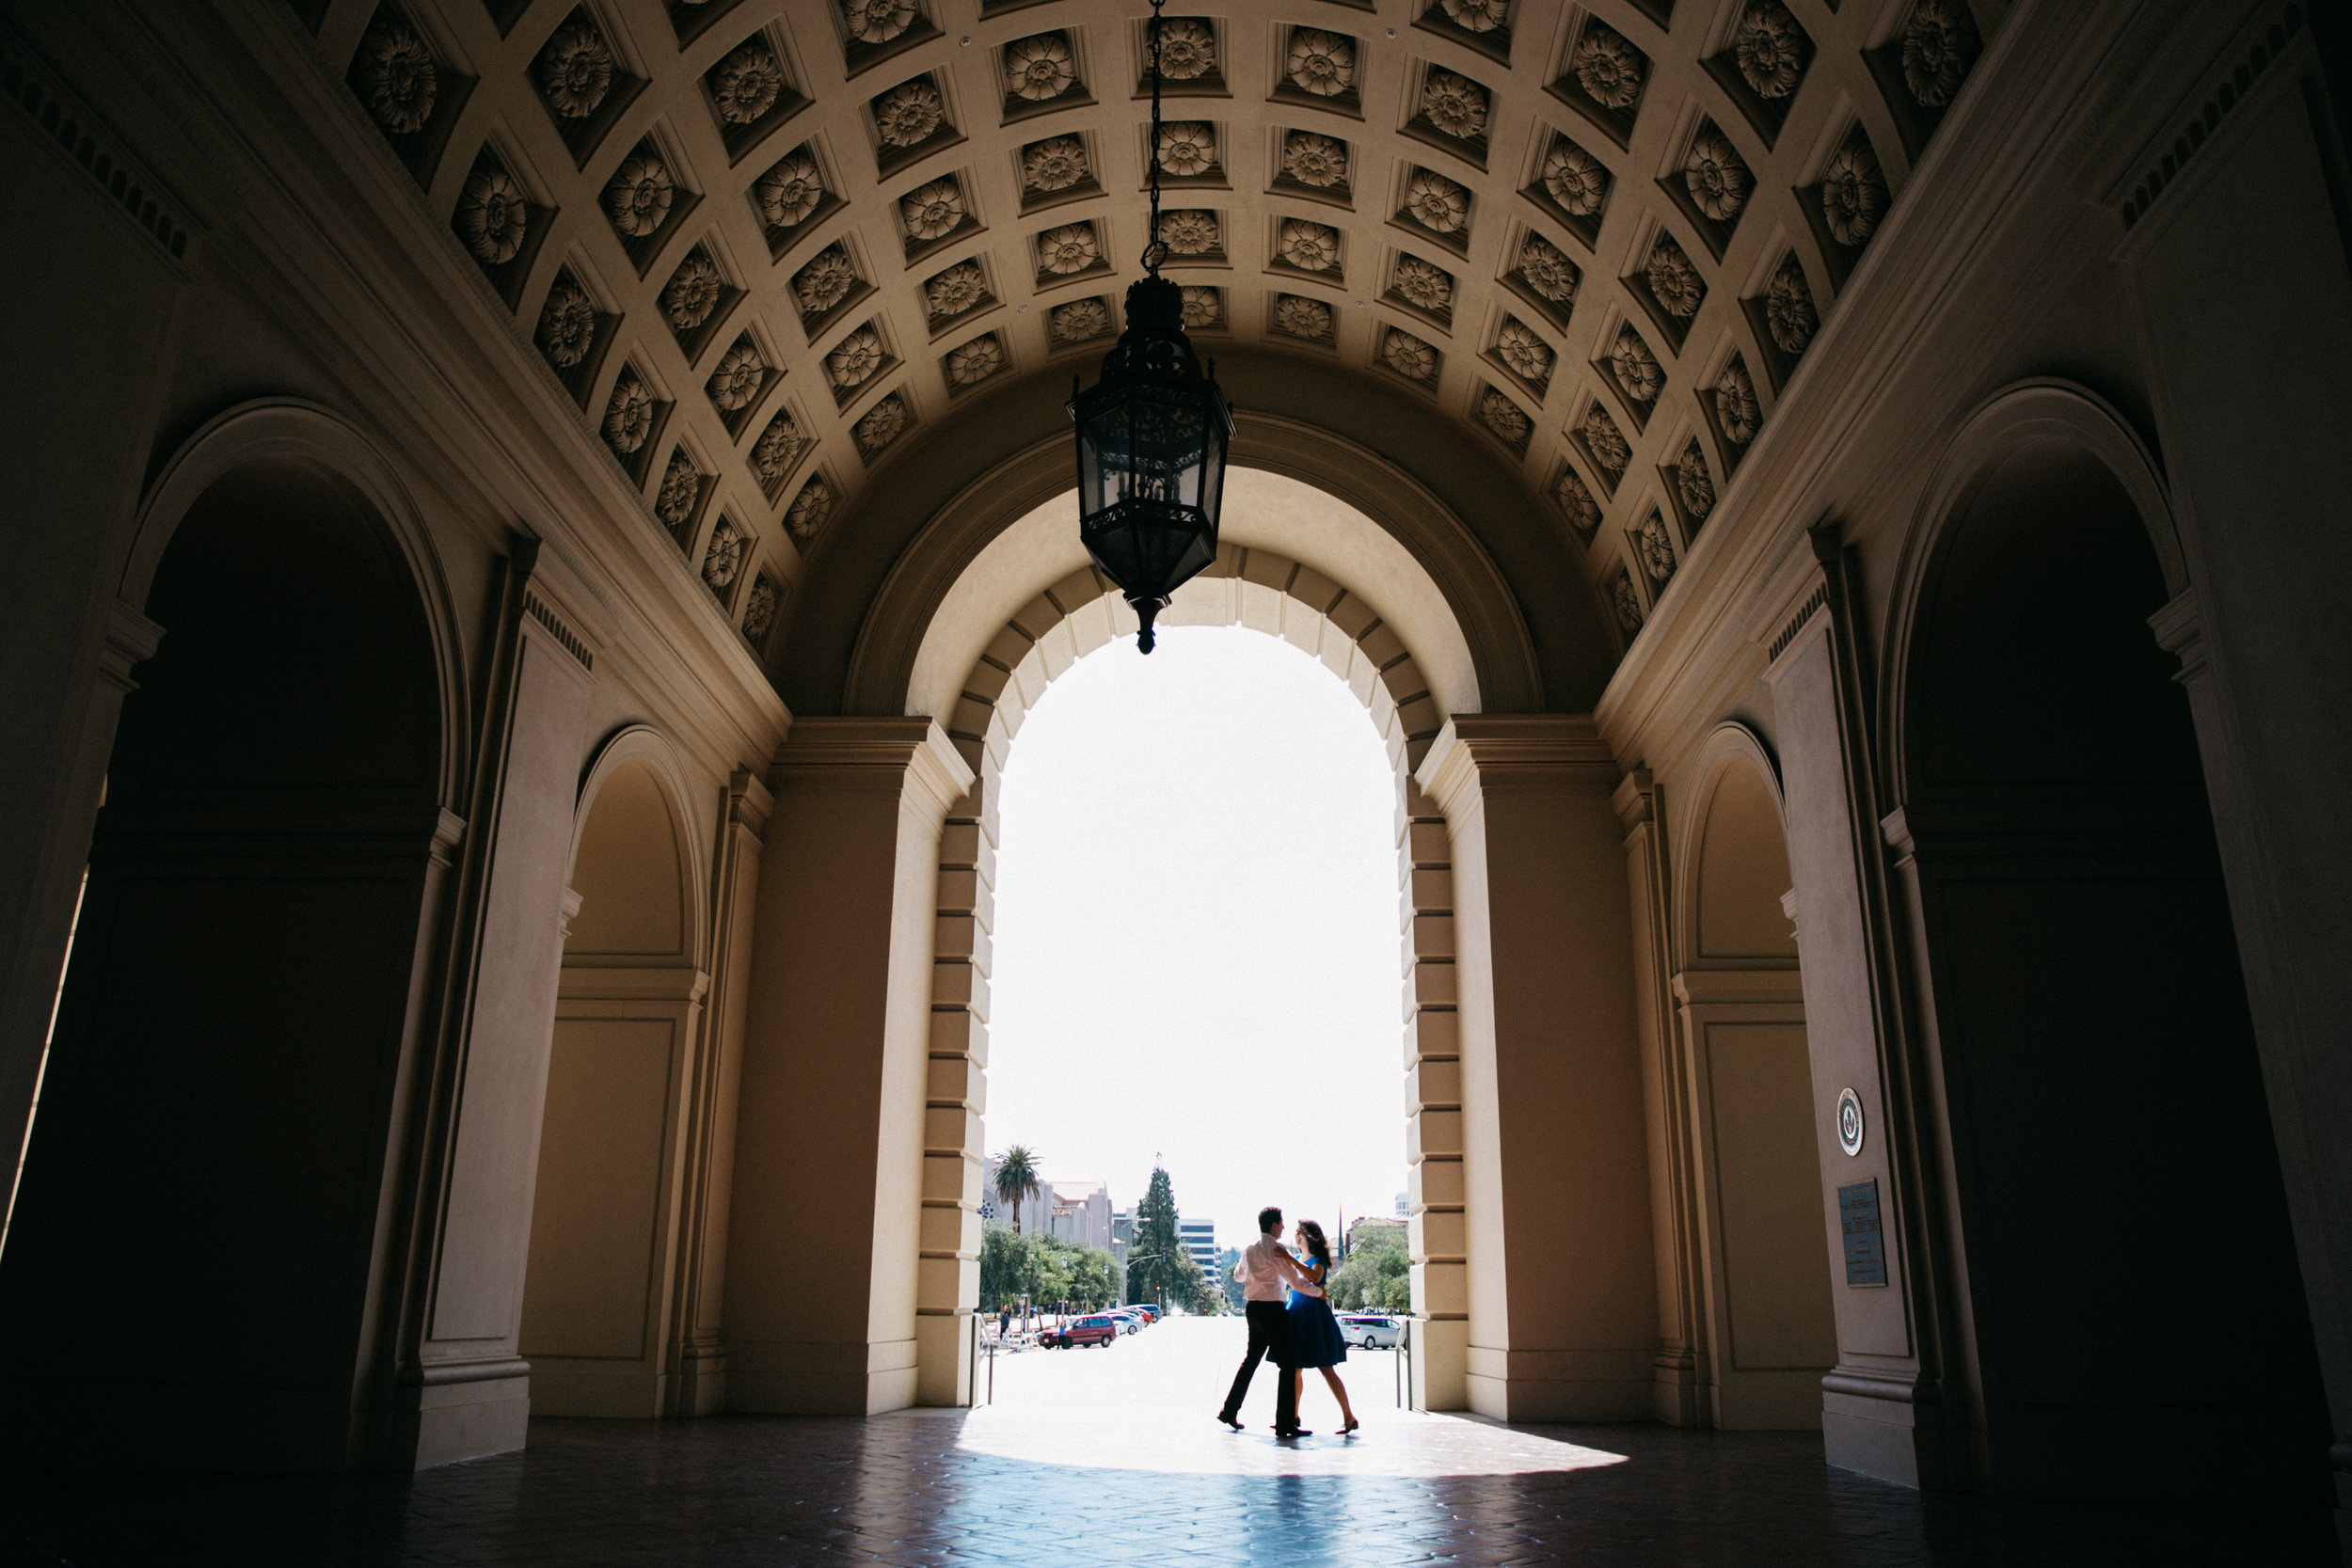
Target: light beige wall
{"type": "Point", "coordinates": [821, 1285]}
{"type": "Point", "coordinates": [1563, 1306]}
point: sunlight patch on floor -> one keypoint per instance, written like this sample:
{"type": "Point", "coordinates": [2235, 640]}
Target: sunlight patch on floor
{"type": "Point", "coordinates": [1148, 1403]}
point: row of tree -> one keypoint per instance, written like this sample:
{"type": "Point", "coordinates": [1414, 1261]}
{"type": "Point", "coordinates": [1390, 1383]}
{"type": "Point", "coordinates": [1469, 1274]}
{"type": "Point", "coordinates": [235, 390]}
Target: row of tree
{"type": "Point", "coordinates": [1158, 1267]}
{"type": "Point", "coordinates": [1044, 1270]}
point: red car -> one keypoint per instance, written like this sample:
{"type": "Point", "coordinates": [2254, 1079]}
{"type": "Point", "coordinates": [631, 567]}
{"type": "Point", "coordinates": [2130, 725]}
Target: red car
{"type": "Point", "coordinates": [1084, 1331]}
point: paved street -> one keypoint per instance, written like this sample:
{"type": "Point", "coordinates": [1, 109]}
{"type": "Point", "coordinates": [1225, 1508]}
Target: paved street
{"type": "Point", "coordinates": [1111, 1456]}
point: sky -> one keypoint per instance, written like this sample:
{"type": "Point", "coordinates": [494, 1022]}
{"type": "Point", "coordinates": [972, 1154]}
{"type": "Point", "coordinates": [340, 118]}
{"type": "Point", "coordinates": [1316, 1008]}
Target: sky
{"type": "Point", "coordinates": [1197, 952]}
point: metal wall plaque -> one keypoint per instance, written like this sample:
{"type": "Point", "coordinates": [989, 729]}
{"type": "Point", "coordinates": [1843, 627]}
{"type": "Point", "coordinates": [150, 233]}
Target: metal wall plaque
{"type": "Point", "coordinates": [1866, 1244]}
{"type": "Point", "coordinates": [1849, 1125]}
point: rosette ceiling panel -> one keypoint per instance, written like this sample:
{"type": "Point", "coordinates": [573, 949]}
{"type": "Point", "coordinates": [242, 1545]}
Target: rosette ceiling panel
{"type": "Point", "coordinates": [766, 248]}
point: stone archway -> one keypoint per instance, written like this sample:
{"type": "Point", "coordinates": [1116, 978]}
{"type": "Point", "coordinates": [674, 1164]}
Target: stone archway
{"type": "Point", "coordinates": [2073, 947]}
{"type": "Point", "coordinates": [194, 1276]}
{"type": "Point", "coordinates": [866, 1047]}
{"type": "Point", "coordinates": [1268, 593]}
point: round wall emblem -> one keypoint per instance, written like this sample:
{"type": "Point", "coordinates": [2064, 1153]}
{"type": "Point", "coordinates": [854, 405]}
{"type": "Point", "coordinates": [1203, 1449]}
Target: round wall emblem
{"type": "Point", "coordinates": [1849, 1122]}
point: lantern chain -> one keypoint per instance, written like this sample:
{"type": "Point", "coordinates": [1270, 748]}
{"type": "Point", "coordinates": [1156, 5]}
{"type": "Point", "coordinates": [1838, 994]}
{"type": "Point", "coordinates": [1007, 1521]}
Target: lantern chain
{"type": "Point", "coordinates": [1155, 247]}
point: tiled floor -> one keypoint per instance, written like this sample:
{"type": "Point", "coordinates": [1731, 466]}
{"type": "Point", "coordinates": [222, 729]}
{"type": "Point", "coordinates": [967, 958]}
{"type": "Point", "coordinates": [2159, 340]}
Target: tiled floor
{"type": "Point", "coordinates": [1111, 1457]}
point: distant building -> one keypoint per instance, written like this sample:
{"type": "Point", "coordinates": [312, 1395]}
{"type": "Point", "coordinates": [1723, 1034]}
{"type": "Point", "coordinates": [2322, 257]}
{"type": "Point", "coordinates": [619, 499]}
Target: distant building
{"type": "Point", "coordinates": [1199, 1237]}
{"type": "Point", "coordinates": [1078, 1213]}
{"type": "Point", "coordinates": [1403, 1206]}
{"type": "Point", "coordinates": [1075, 1211]}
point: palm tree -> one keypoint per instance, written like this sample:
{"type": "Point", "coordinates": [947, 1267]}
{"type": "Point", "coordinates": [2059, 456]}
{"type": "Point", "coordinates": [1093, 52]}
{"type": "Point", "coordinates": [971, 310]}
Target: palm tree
{"type": "Point", "coordinates": [1016, 1179]}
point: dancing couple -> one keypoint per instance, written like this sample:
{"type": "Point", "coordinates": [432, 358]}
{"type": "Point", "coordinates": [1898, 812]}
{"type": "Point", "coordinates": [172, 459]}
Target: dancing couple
{"type": "Point", "coordinates": [1294, 1334]}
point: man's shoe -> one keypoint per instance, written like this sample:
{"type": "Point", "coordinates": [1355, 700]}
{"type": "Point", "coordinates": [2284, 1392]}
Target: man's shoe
{"type": "Point", "coordinates": [1226, 1416]}
{"type": "Point", "coordinates": [1295, 1431]}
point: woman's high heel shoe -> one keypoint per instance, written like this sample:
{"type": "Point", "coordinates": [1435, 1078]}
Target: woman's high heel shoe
{"type": "Point", "coordinates": [1351, 1426]}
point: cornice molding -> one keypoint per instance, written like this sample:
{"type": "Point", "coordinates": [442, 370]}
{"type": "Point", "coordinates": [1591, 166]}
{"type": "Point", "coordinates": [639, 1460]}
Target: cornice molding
{"type": "Point", "coordinates": [1482, 752]}
{"type": "Point", "coordinates": [908, 759]}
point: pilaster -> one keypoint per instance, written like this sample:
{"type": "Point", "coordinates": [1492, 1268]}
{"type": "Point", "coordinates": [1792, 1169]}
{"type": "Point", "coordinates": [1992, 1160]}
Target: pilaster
{"type": "Point", "coordinates": [825, 1277]}
{"type": "Point", "coordinates": [462, 1385]}
{"type": "Point", "coordinates": [1561, 1291]}
{"type": "Point", "coordinates": [1681, 1368]}
{"type": "Point", "coordinates": [698, 1354]}
{"type": "Point", "coordinates": [1882, 1410]}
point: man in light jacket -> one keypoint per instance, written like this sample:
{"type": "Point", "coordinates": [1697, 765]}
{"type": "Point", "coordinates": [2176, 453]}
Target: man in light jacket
{"type": "Point", "coordinates": [1265, 1270]}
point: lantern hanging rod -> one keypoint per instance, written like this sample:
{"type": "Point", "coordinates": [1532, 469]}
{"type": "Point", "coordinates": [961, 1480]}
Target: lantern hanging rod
{"type": "Point", "coordinates": [1154, 249]}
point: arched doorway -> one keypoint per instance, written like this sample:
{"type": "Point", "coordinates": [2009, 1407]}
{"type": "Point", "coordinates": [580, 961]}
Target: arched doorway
{"type": "Point", "coordinates": [206, 1215]}
{"type": "Point", "coordinates": [602, 1288]}
{"type": "Point", "coordinates": [864, 1068]}
{"type": "Point", "coordinates": [1770, 1328]}
{"type": "Point", "coordinates": [2121, 1246]}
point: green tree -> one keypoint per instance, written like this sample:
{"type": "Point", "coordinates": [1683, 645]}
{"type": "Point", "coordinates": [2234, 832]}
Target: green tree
{"type": "Point", "coordinates": [1044, 1271]}
{"type": "Point", "coordinates": [1016, 1179]}
{"type": "Point", "coordinates": [1227, 1262]}
{"type": "Point", "coordinates": [1158, 1267]}
{"type": "Point", "coordinates": [1377, 1276]}
{"type": "Point", "coordinates": [1009, 1269]}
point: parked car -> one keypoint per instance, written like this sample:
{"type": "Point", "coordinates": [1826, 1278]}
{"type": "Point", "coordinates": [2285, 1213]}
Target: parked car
{"type": "Point", "coordinates": [1370, 1330]}
{"type": "Point", "coordinates": [1080, 1331]}
{"type": "Point", "coordinates": [1151, 1311]}
{"type": "Point", "coordinates": [1129, 1321]}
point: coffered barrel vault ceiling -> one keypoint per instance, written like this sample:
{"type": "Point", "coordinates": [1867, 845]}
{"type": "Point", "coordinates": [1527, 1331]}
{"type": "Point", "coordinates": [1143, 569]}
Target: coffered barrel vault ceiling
{"type": "Point", "coordinates": [763, 246]}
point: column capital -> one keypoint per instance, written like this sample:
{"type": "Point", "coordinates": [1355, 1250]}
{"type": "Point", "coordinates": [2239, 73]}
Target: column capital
{"type": "Point", "coordinates": [882, 755]}
{"type": "Point", "coordinates": [1636, 799]}
{"type": "Point", "coordinates": [2180, 630]}
{"type": "Point", "coordinates": [132, 640]}
{"type": "Point", "coordinates": [1487, 748]}
{"type": "Point", "coordinates": [748, 800]}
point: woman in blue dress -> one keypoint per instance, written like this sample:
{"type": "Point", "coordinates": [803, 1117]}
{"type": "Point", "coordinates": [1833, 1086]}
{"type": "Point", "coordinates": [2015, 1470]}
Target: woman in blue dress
{"type": "Point", "coordinates": [1315, 1339]}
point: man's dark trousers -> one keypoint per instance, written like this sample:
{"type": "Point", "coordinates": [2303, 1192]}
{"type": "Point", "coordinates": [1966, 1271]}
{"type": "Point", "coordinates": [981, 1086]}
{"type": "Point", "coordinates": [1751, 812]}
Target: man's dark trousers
{"type": "Point", "coordinates": [1270, 1339]}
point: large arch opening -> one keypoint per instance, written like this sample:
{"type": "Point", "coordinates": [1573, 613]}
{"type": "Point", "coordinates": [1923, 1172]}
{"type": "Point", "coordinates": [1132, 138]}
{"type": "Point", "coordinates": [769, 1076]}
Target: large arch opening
{"type": "Point", "coordinates": [1195, 943]}
{"type": "Point", "coordinates": [1769, 1327]}
{"type": "Point", "coordinates": [206, 1210]}
{"type": "Point", "coordinates": [601, 1286]}
{"type": "Point", "coordinates": [2122, 1230]}
{"type": "Point", "coordinates": [1008, 669]}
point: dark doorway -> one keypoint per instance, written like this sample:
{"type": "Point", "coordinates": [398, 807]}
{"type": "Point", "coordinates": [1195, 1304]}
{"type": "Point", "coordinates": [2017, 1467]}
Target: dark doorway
{"type": "Point", "coordinates": [2130, 1284]}
{"type": "Point", "coordinates": [200, 1228]}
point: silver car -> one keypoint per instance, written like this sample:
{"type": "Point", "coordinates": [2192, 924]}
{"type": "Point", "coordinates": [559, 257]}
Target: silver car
{"type": "Point", "coordinates": [1370, 1330]}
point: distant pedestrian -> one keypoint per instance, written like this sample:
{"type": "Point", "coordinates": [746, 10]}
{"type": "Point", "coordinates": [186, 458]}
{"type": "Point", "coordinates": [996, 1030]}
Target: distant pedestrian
{"type": "Point", "coordinates": [1315, 1338]}
{"type": "Point", "coordinates": [1263, 1270]}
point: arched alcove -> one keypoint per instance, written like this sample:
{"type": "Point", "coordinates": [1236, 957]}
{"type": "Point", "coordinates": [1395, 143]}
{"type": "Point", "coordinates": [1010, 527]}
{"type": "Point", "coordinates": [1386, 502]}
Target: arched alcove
{"type": "Point", "coordinates": [190, 1278]}
{"type": "Point", "coordinates": [2084, 1005]}
{"type": "Point", "coordinates": [1765, 1259]}
{"type": "Point", "coordinates": [602, 1287]}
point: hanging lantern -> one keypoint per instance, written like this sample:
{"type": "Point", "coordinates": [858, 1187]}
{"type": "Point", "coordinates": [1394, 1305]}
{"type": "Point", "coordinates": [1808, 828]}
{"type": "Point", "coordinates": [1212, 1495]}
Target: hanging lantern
{"type": "Point", "coordinates": [1153, 432]}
